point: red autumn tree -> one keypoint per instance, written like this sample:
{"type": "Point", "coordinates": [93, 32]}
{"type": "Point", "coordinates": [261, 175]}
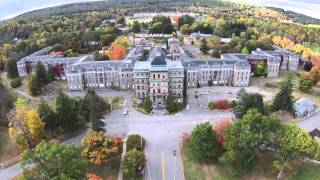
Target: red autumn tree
{"type": "Point", "coordinates": [222, 104]}
{"type": "Point", "coordinates": [117, 52]}
{"type": "Point", "coordinates": [220, 127]}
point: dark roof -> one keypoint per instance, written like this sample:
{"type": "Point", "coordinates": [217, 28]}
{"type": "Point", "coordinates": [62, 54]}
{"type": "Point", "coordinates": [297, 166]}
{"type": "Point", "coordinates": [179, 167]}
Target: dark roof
{"type": "Point", "coordinates": [315, 133]}
{"type": "Point", "coordinates": [158, 57]}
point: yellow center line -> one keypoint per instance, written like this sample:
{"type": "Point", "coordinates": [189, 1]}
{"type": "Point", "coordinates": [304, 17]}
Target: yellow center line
{"type": "Point", "coordinates": [163, 171]}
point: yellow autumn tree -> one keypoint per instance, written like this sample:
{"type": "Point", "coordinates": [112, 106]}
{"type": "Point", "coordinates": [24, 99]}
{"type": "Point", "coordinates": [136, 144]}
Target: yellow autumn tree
{"type": "Point", "coordinates": [35, 126]}
{"type": "Point", "coordinates": [25, 126]}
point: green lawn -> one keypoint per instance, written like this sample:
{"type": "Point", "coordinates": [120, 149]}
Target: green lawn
{"type": "Point", "coordinates": [308, 171]}
{"type": "Point", "coordinates": [193, 170]}
{"type": "Point", "coordinates": [273, 84]}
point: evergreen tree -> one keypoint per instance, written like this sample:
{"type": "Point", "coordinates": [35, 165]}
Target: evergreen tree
{"type": "Point", "coordinates": [51, 77]}
{"type": "Point", "coordinates": [48, 116]}
{"type": "Point", "coordinates": [11, 69]}
{"type": "Point", "coordinates": [204, 48]}
{"type": "Point", "coordinates": [66, 112]}
{"type": "Point", "coordinates": [171, 105]}
{"type": "Point", "coordinates": [41, 74]}
{"type": "Point", "coordinates": [147, 104]}
{"type": "Point", "coordinates": [33, 85]}
{"type": "Point", "coordinates": [136, 27]}
{"type": "Point", "coordinates": [284, 99]}
{"type": "Point", "coordinates": [93, 109]}
{"type": "Point", "coordinates": [246, 102]}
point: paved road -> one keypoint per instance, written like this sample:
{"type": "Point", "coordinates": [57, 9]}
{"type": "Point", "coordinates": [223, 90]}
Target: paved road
{"type": "Point", "coordinates": [311, 122]}
{"type": "Point", "coordinates": [162, 134]}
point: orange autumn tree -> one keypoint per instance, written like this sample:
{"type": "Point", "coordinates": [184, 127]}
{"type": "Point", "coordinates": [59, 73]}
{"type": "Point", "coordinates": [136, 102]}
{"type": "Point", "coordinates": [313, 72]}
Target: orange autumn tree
{"type": "Point", "coordinates": [220, 127]}
{"type": "Point", "coordinates": [100, 148]}
{"type": "Point", "coordinates": [117, 52]}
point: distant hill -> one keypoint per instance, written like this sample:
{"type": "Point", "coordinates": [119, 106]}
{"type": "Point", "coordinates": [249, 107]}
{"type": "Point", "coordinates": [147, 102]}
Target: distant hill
{"type": "Point", "coordinates": [304, 19]}
{"type": "Point", "coordinates": [79, 7]}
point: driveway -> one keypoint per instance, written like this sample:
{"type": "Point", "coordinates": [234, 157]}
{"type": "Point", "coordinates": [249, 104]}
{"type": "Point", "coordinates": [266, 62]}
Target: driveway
{"type": "Point", "coordinates": [162, 134]}
{"type": "Point", "coordinates": [311, 122]}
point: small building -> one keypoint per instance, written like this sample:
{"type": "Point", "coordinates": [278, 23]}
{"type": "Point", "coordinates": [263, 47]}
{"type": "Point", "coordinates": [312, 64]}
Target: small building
{"type": "Point", "coordinates": [304, 107]}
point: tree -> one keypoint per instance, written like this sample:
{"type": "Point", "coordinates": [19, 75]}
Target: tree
{"type": "Point", "coordinates": [241, 103]}
{"type": "Point", "coordinates": [212, 105]}
{"type": "Point", "coordinates": [296, 143]}
{"type": "Point", "coordinates": [15, 83]}
{"type": "Point", "coordinates": [53, 160]}
{"type": "Point", "coordinates": [220, 128]}
{"type": "Point", "coordinates": [50, 75]}
{"type": "Point", "coordinates": [245, 50]}
{"type": "Point", "coordinates": [243, 139]}
{"type": "Point", "coordinates": [203, 146]}
{"type": "Point", "coordinates": [136, 27]}
{"type": "Point", "coordinates": [284, 99]}
{"type": "Point", "coordinates": [100, 148]}
{"type": "Point", "coordinates": [161, 25]}
{"type": "Point", "coordinates": [135, 141]}
{"type": "Point", "coordinates": [307, 66]}
{"type": "Point", "coordinates": [222, 104]}
{"type": "Point", "coordinates": [117, 52]}
{"type": "Point", "coordinates": [305, 82]}
{"type": "Point", "coordinates": [25, 126]}
{"type": "Point", "coordinates": [107, 39]}
{"type": "Point", "coordinates": [171, 105]}
{"type": "Point", "coordinates": [204, 48]}
{"type": "Point", "coordinates": [67, 112]}
{"type": "Point", "coordinates": [33, 85]}
{"type": "Point", "coordinates": [41, 75]}
{"type": "Point", "coordinates": [185, 20]}
{"type": "Point", "coordinates": [315, 74]}
{"type": "Point", "coordinates": [48, 116]}
{"type": "Point", "coordinates": [147, 104]}
{"type": "Point", "coordinates": [185, 29]}
{"type": "Point", "coordinates": [133, 164]}
{"type": "Point", "coordinates": [93, 108]}
{"type": "Point", "coordinates": [11, 69]}
{"type": "Point", "coordinates": [210, 82]}
{"type": "Point", "coordinates": [121, 20]}
{"type": "Point", "coordinates": [246, 101]}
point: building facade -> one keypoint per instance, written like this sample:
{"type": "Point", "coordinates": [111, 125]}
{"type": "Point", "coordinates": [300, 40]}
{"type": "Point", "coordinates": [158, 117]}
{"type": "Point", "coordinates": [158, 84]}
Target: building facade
{"type": "Point", "coordinates": [163, 73]}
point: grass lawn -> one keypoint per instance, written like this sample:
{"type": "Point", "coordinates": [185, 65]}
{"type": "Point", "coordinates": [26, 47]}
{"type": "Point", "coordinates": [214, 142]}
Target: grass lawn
{"type": "Point", "coordinates": [193, 170]}
{"type": "Point", "coordinates": [308, 170]}
{"type": "Point", "coordinates": [273, 84]}
{"type": "Point", "coordinates": [109, 171]}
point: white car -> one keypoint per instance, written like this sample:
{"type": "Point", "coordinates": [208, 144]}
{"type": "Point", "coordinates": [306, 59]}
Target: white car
{"type": "Point", "coordinates": [125, 112]}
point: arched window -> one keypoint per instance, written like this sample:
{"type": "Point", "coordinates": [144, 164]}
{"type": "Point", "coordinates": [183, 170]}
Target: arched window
{"type": "Point", "coordinates": [138, 87]}
{"type": "Point", "coordinates": [179, 86]}
{"type": "Point", "coordinates": [154, 91]}
{"type": "Point", "coordinates": [154, 76]}
{"type": "Point", "coordinates": [158, 90]}
{"type": "Point", "coordinates": [158, 76]}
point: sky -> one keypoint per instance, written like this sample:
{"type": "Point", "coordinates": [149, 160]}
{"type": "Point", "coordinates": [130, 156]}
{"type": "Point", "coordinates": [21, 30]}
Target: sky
{"type": "Point", "coordinates": [307, 7]}
{"type": "Point", "coordinates": [11, 8]}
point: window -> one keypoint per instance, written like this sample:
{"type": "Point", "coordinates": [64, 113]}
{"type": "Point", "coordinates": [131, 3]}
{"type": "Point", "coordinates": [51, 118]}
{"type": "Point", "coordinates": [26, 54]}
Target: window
{"type": "Point", "coordinates": [138, 87]}
{"type": "Point", "coordinates": [154, 76]}
{"type": "Point", "coordinates": [154, 91]}
{"type": "Point", "coordinates": [158, 76]}
{"type": "Point", "coordinates": [179, 86]}
{"type": "Point", "coordinates": [159, 91]}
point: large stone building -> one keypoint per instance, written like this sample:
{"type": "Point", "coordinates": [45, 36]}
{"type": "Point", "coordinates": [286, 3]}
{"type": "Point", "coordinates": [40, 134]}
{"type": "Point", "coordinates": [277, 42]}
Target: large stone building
{"type": "Point", "coordinates": [166, 71]}
{"type": "Point", "coordinates": [158, 77]}
{"type": "Point", "coordinates": [27, 65]}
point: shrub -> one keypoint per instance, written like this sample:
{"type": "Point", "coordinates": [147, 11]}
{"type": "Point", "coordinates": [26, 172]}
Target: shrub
{"type": "Point", "coordinates": [233, 103]}
{"type": "Point", "coordinates": [15, 83]}
{"type": "Point", "coordinates": [135, 141]}
{"type": "Point", "coordinates": [222, 104]}
{"type": "Point", "coordinates": [212, 105]}
{"type": "Point", "coordinates": [133, 164]}
{"type": "Point", "coordinates": [210, 82]}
